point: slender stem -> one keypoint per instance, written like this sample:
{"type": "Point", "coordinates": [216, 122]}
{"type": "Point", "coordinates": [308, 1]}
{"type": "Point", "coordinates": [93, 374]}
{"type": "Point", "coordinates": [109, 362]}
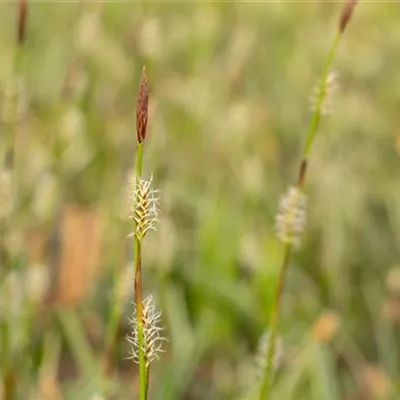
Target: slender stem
{"type": "Point", "coordinates": [112, 326]}
{"type": "Point", "coordinates": [316, 118]}
{"type": "Point", "coordinates": [117, 308]}
{"type": "Point", "coordinates": [139, 162]}
{"type": "Point", "coordinates": [139, 320]}
{"type": "Point", "coordinates": [143, 369]}
{"type": "Point", "coordinates": [273, 324]}
{"type": "Point", "coordinates": [313, 129]}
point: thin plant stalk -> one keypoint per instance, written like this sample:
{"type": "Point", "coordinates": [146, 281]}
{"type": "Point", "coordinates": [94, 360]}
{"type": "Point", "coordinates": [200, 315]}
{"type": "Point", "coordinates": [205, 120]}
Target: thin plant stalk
{"type": "Point", "coordinates": [139, 320]}
{"type": "Point", "coordinates": [322, 93]}
{"type": "Point", "coordinates": [141, 126]}
{"type": "Point", "coordinates": [273, 323]}
{"type": "Point", "coordinates": [316, 117]}
{"type": "Point", "coordinates": [143, 373]}
{"type": "Point", "coordinates": [117, 309]}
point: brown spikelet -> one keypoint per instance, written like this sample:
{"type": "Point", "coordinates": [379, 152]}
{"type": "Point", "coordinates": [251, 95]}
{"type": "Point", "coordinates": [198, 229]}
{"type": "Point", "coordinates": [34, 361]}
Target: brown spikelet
{"type": "Point", "coordinates": [346, 14]}
{"type": "Point", "coordinates": [142, 108]}
{"type": "Point", "coordinates": [302, 173]}
{"type": "Point", "coordinates": [22, 14]}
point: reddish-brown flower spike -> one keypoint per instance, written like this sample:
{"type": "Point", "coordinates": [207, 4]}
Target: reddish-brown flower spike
{"type": "Point", "coordinates": [22, 14]}
{"type": "Point", "coordinates": [346, 14]}
{"type": "Point", "coordinates": [142, 108]}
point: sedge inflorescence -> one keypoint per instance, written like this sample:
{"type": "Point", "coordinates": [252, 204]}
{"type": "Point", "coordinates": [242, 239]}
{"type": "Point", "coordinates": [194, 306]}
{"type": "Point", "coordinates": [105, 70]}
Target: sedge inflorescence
{"type": "Point", "coordinates": [144, 209]}
{"type": "Point", "coordinates": [152, 337]}
{"type": "Point", "coordinates": [323, 95]}
{"type": "Point", "coordinates": [291, 216]}
{"type": "Point", "coordinates": [260, 357]}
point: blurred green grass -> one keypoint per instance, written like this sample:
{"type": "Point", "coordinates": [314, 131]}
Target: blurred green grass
{"type": "Point", "coordinates": [229, 106]}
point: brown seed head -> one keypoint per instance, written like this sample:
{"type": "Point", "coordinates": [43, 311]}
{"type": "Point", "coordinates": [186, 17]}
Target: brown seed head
{"type": "Point", "coordinates": [22, 14]}
{"type": "Point", "coordinates": [142, 107]}
{"type": "Point", "coordinates": [346, 14]}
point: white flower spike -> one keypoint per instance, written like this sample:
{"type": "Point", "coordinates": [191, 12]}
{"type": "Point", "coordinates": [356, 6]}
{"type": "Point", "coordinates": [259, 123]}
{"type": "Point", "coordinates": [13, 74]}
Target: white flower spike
{"type": "Point", "coordinates": [291, 216]}
{"type": "Point", "coordinates": [153, 339]}
{"type": "Point", "coordinates": [144, 210]}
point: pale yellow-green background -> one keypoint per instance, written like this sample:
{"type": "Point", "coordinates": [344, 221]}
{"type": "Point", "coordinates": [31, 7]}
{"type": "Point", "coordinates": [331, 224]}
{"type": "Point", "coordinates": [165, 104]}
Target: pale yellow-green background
{"type": "Point", "coordinates": [230, 85]}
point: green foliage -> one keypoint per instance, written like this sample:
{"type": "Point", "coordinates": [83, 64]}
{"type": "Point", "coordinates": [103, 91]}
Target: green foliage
{"type": "Point", "coordinates": [229, 107]}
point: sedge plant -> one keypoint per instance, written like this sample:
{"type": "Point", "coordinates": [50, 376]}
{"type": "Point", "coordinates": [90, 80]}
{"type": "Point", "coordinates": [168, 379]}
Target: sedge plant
{"type": "Point", "coordinates": [146, 339]}
{"type": "Point", "coordinates": [291, 215]}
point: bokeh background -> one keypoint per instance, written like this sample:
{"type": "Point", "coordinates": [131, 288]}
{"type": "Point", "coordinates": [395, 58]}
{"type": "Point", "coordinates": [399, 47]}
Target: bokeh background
{"type": "Point", "coordinates": [230, 85]}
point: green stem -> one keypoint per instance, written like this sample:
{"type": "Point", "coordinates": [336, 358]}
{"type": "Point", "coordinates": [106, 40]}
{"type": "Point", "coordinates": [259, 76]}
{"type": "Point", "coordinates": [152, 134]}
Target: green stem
{"type": "Point", "coordinates": [139, 321]}
{"type": "Point", "coordinates": [316, 118]}
{"type": "Point", "coordinates": [139, 162]}
{"type": "Point", "coordinates": [313, 129]}
{"type": "Point", "coordinates": [273, 325]}
{"type": "Point", "coordinates": [75, 336]}
{"type": "Point", "coordinates": [84, 356]}
{"type": "Point", "coordinates": [138, 292]}
{"type": "Point", "coordinates": [112, 325]}
{"type": "Point", "coordinates": [116, 311]}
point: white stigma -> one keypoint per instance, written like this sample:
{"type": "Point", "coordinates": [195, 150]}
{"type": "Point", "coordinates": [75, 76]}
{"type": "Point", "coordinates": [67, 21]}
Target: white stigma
{"type": "Point", "coordinates": [291, 216]}
{"type": "Point", "coordinates": [323, 95]}
{"type": "Point", "coordinates": [152, 338]}
{"type": "Point", "coordinates": [144, 210]}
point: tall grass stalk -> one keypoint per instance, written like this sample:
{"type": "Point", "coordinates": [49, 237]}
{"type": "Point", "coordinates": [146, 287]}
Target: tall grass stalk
{"type": "Point", "coordinates": [145, 339]}
{"type": "Point", "coordinates": [117, 307]}
{"type": "Point", "coordinates": [291, 237]}
{"type": "Point", "coordinates": [143, 369]}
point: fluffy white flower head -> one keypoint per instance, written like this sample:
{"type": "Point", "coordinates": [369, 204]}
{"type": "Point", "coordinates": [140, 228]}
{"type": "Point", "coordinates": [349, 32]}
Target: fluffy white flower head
{"type": "Point", "coordinates": [291, 216]}
{"type": "Point", "coordinates": [325, 94]}
{"type": "Point", "coordinates": [152, 337]}
{"type": "Point", "coordinates": [144, 209]}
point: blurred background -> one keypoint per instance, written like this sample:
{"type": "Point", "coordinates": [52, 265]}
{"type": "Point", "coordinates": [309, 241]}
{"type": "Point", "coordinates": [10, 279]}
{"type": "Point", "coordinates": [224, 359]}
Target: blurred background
{"type": "Point", "coordinates": [230, 85]}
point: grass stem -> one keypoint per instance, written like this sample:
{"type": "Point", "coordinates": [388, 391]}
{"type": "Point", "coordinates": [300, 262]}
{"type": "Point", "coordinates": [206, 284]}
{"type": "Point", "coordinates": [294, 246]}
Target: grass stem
{"type": "Point", "coordinates": [288, 247]}
{"type": "Point", "coordinates": [143, 374]}
{"type": "Point", "coordinates": [273, 324]}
